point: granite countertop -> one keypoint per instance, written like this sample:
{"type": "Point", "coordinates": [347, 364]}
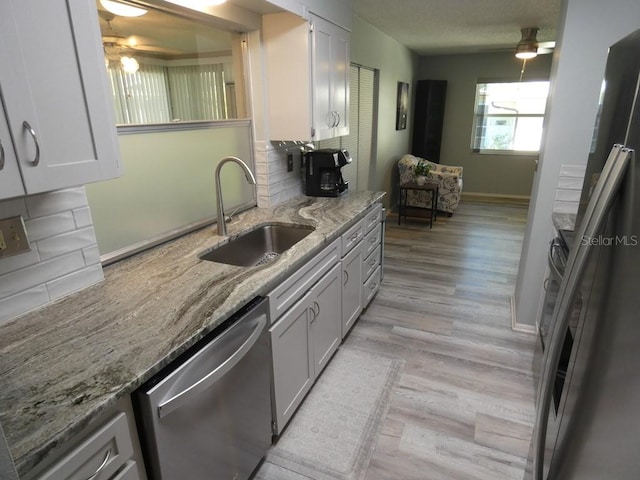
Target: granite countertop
{"type": "Point", "coordinates": [63, 365]}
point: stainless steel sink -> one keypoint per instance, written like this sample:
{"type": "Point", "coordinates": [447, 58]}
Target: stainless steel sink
{"type": "Point", "coordinates": [258, 246]}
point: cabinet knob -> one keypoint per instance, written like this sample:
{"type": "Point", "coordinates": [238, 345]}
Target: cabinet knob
{"type": "Point", "coordinates": [346, 277]}
{"type": "Point", "coordinates": [1, 156]}
{"type": "Point", "coordinates": [36, 157]}
{"type": "Point", "coordinates": [330, 119]}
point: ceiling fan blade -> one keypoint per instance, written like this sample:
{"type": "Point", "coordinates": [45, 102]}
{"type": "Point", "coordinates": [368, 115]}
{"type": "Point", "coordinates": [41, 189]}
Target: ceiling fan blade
{"type": "Point", "coordinates": [544, 51]}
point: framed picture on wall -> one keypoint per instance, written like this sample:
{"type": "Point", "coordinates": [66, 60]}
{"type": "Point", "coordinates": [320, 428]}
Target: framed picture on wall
{"type": "Point", "coordinates": [403, 105]}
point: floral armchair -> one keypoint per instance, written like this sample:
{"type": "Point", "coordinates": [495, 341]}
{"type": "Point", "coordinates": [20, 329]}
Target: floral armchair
{"type": "Point", "coordinates": [449, 179]}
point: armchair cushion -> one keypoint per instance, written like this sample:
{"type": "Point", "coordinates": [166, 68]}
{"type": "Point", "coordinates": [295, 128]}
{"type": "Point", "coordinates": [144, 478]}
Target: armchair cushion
{"type": "Point", "coordinates": [449, 179]}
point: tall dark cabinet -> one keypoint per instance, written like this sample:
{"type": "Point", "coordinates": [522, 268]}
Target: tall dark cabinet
{"type": "Point", "coordinates": [428, 117]}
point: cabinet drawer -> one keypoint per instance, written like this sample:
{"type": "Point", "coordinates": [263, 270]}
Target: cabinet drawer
{"type": "Point", "coordinates": [372, 240]}
{"type": "Point", "coordinates": [290, 290]}
{"type": "Point", "coordinates": [351, 237]}
{"type": "Point", "coordinates": [106, 450]}
{"type": "Point", "coordinates": [129, 472]}
{"type": "Point", "coordinates": [371, 263]}
{"type": "Point", "coordinates": [373, 218]}
{"type": "Point", "coordinates": [370, 287]}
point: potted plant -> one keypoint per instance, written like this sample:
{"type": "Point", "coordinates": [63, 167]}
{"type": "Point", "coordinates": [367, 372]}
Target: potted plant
{"type": "Point", "coordinates": [421, 171]}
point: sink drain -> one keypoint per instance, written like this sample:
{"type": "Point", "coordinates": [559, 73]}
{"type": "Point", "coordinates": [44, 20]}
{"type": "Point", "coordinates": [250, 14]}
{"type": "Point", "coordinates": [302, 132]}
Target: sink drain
{"type": "Point", "coordinates": [267, 258]}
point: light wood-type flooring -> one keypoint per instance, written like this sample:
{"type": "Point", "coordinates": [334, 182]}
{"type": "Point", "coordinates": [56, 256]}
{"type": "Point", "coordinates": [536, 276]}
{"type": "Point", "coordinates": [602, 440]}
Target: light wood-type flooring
{"type": "Point", "coordinates": [463, 407]}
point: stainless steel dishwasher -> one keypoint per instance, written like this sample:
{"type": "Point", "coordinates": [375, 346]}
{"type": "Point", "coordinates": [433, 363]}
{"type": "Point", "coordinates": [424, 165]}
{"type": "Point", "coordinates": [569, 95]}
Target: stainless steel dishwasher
{"type": "Point", "coordinates": [209, 416]}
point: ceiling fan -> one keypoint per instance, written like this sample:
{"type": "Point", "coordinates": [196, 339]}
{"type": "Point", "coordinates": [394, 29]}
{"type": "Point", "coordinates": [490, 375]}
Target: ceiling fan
{"type": "Point", "coordinates": [528, 47]}
{"type": "Point", "coordinates": [117, 43]}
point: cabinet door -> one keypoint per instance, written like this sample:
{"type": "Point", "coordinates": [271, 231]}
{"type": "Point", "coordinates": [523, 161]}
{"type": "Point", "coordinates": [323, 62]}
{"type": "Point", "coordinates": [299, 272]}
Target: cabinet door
{"type": "Point", "coordinates": [326, 319]}
{"type": "Point", "coordinates": [57, 84]}
{"type": "Point", "coordinates": [340, 80]}
{"type": "Point", "coordinates": [10, 180]}
{"type": "Point", "coordinates": [322, 72]}
{"type": "Point", "coordinates": [351, 288]}
{"type": "Point", "coordinates": [293, 372]}
{"type": "Point", "coordinates": [330, 70]}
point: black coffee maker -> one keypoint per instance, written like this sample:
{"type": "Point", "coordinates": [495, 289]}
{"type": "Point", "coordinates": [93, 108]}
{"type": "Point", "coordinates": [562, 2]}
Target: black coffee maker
{"type": "Point", "coordinates": [323, 177]}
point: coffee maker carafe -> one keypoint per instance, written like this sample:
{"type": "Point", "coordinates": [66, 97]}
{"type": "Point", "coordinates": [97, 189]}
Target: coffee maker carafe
{"type": "Point", "coordinates": [322, 172]}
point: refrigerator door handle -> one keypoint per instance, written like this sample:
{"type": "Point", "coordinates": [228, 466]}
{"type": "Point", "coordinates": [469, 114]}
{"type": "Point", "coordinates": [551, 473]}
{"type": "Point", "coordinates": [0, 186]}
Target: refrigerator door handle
{"type": "Point", "coordinates": [552, 263]}
{"type": "Point", "coordinates": [595, 215]}
{"type": "Point", "coordinates": [178, 400]}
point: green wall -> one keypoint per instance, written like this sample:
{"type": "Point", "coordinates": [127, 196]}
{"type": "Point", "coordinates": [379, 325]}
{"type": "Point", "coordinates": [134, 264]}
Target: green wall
{"type": "Point", "coordinates": [396, 63]}
{"type": "Point", "coordinates": [487, 174]}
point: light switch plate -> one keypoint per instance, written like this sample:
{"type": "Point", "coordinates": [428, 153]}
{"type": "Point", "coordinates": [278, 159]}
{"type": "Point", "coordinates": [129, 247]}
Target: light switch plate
{"type": "Point", "coordinates": [13, 237]}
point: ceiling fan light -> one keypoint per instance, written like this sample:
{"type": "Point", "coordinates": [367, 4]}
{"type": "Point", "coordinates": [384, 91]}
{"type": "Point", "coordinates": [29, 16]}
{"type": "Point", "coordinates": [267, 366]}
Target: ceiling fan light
{"type": "Point", "coordinates": [526, 53]}
{"type": "Point", "coordinates": [129, 64]}
{"type": "Point", "coordinates": [528, 45]}
{"type": "Point", "coordinates": [122, 9]}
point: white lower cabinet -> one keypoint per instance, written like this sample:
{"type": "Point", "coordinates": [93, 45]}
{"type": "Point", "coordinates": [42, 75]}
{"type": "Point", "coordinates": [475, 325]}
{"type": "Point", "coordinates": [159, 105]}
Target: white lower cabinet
{"type": "Point", "coordinates": [326, 320]}
{"type": "Point", "coordinates": [293, 372]}
{"type": "Point", "coordinates": [108, 451]}
{"type": "Point", "coordinates": [370, 287]}
{"type": "Point", "coordinates": [314, 308]}
{"type": "Point", "coordinates": [128, 472]}
{"type": "Point", "coordinates": [372, 255]}
{"type": "Point", "coordinates": [302, 343]}
{"type": "Point", "coordinates": [105, 454]}
{"type": "Point", "coordinates": [351, 288]}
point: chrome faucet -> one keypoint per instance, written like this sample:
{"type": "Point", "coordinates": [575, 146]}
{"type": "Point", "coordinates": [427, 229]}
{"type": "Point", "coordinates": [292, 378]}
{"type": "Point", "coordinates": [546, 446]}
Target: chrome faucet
{"type": "Point", "coordinates": [222, 226]}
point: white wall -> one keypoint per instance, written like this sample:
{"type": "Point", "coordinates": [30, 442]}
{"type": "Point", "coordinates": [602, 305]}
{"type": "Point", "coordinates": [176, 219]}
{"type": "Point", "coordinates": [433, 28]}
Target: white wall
{"type": "Point", "coordinates": [586, 30]}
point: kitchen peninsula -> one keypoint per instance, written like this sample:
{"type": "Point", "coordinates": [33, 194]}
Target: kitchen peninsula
{"type": "Point", "coordinates": [64, 365]}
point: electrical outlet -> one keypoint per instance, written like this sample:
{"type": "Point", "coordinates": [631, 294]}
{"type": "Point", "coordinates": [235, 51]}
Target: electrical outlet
{"type": "Point", "coordinates": [289, 162]}
{"type": "Point", "coordinates": [13, 237]}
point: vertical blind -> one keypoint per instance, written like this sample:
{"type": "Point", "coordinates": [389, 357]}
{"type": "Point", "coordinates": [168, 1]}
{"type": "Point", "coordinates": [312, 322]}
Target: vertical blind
{"type": "Point", "coordinates": [141, 97]}
{"type": "Point", "coordinates": [162, 94]}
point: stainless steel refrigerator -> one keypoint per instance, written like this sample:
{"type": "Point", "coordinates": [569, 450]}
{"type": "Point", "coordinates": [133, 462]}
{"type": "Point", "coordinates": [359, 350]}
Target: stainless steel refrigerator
{"type": "Point", "coordinates": [588, 405]}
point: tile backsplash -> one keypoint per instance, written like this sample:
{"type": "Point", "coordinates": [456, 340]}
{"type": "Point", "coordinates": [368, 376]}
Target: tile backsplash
{"type": "Point", "coordinates": [64, 254]}
{"type": "Point", "coordinates": [275, 184]}
{"type": "Point", "coordinates": [569, 189]}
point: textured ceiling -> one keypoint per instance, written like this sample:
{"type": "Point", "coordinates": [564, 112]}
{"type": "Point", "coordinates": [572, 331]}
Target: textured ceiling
{"type": "Point", "coordinates": [431, 27]}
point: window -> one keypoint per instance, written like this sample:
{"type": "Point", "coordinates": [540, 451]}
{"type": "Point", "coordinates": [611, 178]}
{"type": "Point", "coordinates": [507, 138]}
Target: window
{"type": "Point", "coordinates": [508, 117]}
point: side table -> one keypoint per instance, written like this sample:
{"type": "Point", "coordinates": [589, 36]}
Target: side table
{"type": "Point", "coordinates": [408, 210]}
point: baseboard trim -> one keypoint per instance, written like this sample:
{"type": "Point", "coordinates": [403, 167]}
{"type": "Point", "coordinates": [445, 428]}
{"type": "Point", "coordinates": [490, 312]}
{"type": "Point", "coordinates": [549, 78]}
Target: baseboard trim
{"type": "Point", "coordinates": [519, 327]}
{"type": "Point", "coordinates": [497, 197]}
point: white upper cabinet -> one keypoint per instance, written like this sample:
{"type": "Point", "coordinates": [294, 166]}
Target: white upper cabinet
{"type": "Point", "coordinates": [307, 66]}
{"type": "Point", "coordinates": [57, 104]}
{"type": "Point", "coordinates": [10, 181]}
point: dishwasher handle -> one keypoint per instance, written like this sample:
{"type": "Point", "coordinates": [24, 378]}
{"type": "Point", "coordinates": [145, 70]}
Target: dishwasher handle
{"type": "Point", "coordinates": [178, 400]}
